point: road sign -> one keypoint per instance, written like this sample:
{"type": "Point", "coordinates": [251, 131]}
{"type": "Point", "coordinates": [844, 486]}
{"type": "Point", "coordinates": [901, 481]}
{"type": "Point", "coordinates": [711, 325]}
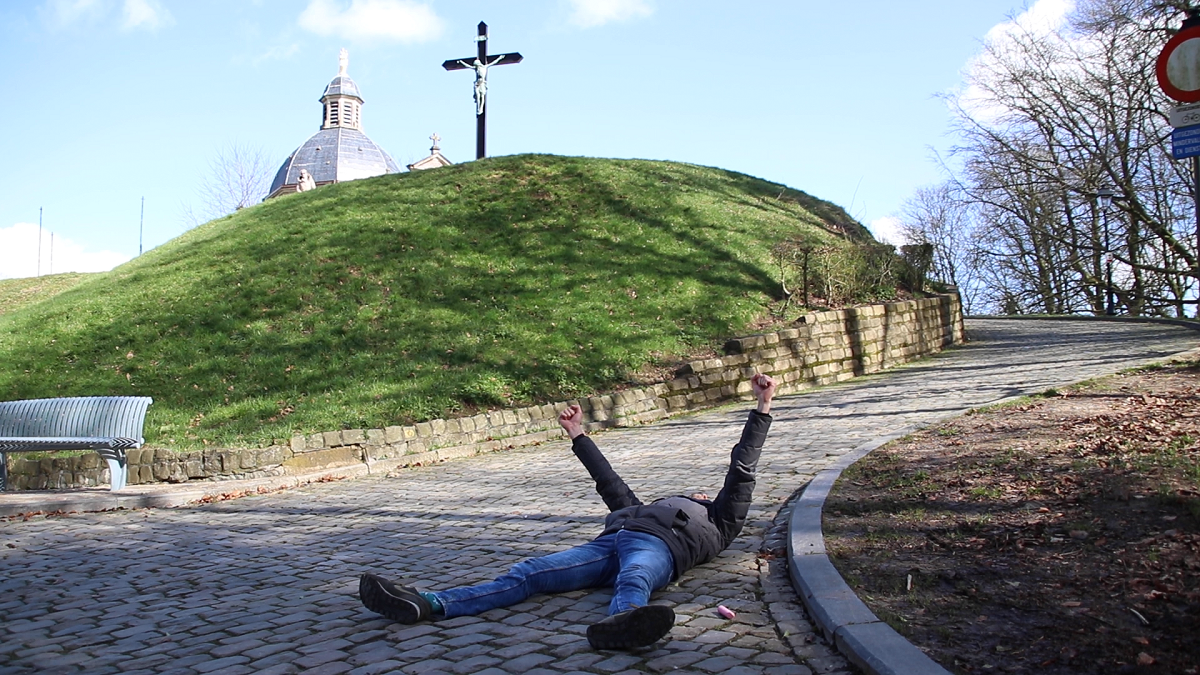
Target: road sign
{"type": "Point", "coordinates": [1178, 66]}
{"type": "Point", "coordinates": [1185, 115]}
{"type": "Point", "coordinates": [1185, 142]}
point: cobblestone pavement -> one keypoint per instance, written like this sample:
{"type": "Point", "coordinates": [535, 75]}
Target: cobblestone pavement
{"type": "Point", "coordinates": [267, 583]}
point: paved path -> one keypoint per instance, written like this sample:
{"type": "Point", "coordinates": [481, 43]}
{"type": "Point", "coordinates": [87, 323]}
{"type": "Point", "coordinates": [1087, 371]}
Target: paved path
{"type": "Point", "coordinates": [266, 584]}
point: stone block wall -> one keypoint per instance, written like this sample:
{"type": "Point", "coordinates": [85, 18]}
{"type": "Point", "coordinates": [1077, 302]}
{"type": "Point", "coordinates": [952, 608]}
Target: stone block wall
{"type": "Point", "coordinates": [821, 348]}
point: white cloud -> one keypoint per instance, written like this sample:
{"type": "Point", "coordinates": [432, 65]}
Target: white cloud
{"type": "Point", "coordinates": [1042, 18]}
{"type": "Point", "coordinates": [1042, 21]}
{"type": "Point", "coordinates": [147, 14]}
{"type": "Point", "coordinates": [887, 230]}
{"type": "Point", "coordinates": [403, 20]}
{"type": "Point", "coordinates": [135, 14]}
{"type": "Point", "coordinates": [19, 254]}
{"type": "Point", "coordinates": [278, 53]}
{"type": "Point", "coordinates": [592, 13]}
{"type": "Point", "coordinates": [65, 12]}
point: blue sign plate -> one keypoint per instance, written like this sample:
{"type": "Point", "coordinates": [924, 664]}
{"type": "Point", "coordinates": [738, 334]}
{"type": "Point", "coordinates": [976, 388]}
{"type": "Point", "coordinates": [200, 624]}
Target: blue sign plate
{"type": "Point", "coordinates": [1185, 142]}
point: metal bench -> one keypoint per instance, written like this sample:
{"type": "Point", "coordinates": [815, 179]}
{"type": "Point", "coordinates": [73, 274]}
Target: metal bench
{"type": "Point", "coordinates": [110, 425]}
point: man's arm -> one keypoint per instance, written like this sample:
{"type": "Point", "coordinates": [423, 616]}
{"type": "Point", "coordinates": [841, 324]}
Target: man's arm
{"type": "Point", "coordinates": [731, 506]}
{"type": "Point", "coordinates": [615, 493]}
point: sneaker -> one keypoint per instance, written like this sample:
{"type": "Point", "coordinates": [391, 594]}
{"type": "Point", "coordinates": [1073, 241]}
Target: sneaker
{"type": "Point", "coordinates": [638, 627]}
{"type": "Point", "coordinates": [398, 603]}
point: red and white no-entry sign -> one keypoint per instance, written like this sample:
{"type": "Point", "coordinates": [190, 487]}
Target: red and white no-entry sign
{"type": "Point", "coordinates": [1178, 67]}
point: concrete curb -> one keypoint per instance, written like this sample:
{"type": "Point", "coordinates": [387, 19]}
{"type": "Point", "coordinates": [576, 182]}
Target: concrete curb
{"type": "Point", "coordinates": [842, 618]}
{"type": "Point", "coordinates": [86, 500]}
{"type": "Point", "coordinates": [19, 503]}
{"type": "Point", "coordinates": [845, 621]}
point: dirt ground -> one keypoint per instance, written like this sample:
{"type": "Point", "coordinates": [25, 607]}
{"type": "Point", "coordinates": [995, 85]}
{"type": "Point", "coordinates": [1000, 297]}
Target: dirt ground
{"type": "Point", "coordinates": [1057, 535]}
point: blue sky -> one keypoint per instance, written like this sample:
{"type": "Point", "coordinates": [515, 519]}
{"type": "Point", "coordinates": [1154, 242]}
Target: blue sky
{"type": "Point", "coordinates": [110, 101]}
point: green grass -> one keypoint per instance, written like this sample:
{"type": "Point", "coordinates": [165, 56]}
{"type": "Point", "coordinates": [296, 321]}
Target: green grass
{"type": "Point", "coordinates": [1018, 402]}
{"type": "Point", "coordinates": [18, 293]}
{"type": "Point", "coordinates": [407, 297]}
{"type": "Point", "coordinates": [988, 493]}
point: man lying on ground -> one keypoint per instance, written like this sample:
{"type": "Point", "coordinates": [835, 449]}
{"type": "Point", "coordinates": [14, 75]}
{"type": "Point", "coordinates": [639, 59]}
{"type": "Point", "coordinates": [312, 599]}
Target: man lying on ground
{"type": "Point", "coordinates": [643, 546]}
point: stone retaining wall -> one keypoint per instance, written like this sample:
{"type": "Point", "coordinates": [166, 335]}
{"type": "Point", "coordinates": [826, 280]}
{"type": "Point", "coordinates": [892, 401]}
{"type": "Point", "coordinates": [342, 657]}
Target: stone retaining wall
{"type": "Point", "coordinates": [822, 348]}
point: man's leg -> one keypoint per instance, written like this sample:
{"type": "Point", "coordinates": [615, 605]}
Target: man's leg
{"type": "Point", "coordinates": [645, 566]}
{"type": "Point", "coordinates": [592, 564]}
{"type": "Point", "coordinates": [587, 566]}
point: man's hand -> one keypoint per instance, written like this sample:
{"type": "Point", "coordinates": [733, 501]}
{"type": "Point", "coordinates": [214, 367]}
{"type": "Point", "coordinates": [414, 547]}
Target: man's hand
{"type": "Point", "coordinates": [764, 391]}
{"type": "Point", "coordinates": [571, 420]}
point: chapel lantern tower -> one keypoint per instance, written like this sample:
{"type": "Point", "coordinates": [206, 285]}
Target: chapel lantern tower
{"type": "Point", "coordinates": [342, 102]}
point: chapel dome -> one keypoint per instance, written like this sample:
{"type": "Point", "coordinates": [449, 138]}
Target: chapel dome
{"type": "Point", "coordinates": [341, 86]}
{"type": "Point", "coordinates": [332, 156]}
{"type": "Point", "coordinates": [340, 151]}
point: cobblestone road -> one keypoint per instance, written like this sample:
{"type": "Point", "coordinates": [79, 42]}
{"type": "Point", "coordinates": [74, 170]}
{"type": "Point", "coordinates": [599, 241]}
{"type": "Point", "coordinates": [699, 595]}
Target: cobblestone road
{"type": "Point", "coordinates": [266, 584]}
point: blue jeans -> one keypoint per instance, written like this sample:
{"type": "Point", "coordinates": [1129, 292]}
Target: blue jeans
{"type": "Point", "coordinates": [633, 563]}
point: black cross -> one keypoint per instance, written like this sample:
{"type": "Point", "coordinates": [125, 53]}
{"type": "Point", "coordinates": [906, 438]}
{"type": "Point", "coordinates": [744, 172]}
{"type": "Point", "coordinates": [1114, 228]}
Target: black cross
{"type": "Point", "coordinates": [480, 65]}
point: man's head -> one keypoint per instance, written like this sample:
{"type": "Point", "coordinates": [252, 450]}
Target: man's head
{"type": "Point", "coordinates": [694, 496]}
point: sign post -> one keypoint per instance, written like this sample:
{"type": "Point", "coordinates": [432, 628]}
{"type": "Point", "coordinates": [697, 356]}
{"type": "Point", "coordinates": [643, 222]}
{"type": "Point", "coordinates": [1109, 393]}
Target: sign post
{"type": "Point", "coordinates": [1178, 73]}
{"type": "Point", "coordinates": [480, 64]}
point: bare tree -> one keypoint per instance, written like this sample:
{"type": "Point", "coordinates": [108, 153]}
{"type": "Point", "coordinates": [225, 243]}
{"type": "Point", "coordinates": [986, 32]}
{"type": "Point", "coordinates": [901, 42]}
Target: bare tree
{"type": "Point", "coordinates": [1054, 118]}
{"type": "Point", "coordinates": [238, 176]}
{"type": "Point", "coordinates": [939, 216]}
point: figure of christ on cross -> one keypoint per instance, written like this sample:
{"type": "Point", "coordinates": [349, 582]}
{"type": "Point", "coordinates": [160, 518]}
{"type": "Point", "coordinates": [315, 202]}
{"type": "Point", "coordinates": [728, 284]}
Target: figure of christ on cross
{"type": "Point", "coordinates": [480, 80]}
{"type": "Point", "coordinates": [480, 65]}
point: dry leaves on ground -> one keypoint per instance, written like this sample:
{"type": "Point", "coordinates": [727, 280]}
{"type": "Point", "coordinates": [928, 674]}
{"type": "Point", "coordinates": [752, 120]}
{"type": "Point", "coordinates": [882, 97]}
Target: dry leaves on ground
{"type": "Point", "coordinates": [1061, 535]}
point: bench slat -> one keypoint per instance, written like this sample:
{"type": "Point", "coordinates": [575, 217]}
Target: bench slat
{"type": "Point", "coordinates": [46, 444]}
{"type": "Point", "coordinates": [85, 416]}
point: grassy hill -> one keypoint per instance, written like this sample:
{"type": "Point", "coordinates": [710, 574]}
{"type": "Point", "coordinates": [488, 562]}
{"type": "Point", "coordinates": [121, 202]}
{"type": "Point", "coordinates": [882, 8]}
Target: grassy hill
{"type": "Point", "coordinates": [412, 296]}
{"type": "Point", "coordinates": [18, 293]}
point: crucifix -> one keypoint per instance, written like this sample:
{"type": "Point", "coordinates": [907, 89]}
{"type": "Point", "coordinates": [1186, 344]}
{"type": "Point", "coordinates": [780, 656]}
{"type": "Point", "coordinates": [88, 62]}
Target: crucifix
{"type": "Point", "coordinates": [480, 65]}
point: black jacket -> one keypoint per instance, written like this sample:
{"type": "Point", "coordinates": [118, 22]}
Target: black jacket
{"type": "Point", "coordinates": [694, 530]}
